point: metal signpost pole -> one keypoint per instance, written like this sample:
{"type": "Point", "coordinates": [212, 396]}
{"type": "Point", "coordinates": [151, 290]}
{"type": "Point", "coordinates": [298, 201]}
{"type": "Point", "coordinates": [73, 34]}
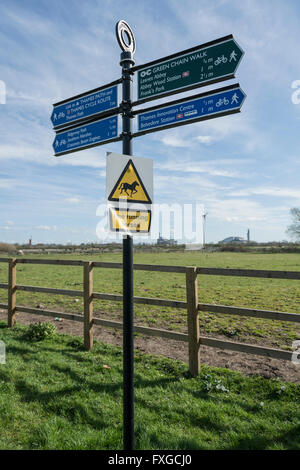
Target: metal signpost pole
{"type": "Point", "coordinates": [128, 351]}
{"type": "Point", "coordinates": [79, 127]}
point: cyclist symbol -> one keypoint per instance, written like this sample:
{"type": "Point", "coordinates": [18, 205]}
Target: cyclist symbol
{"type": "Point", "coordinates": [222, 101]}
{"type": "Point", "coordinates": [221, 59]}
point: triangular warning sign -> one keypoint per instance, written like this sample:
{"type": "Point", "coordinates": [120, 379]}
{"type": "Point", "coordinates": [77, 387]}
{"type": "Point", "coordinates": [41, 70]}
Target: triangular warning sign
{"type": "Point", "coordinates": [130, 186]}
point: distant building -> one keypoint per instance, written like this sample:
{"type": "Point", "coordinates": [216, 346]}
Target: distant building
{"type": "Point", "coordinates": [164, 241]}
{"type": "Point", "coordinates": [233, 240]}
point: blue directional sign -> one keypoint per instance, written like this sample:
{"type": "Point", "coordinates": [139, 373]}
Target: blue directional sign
{"type": "Point", "coordinates": [182, 112]}
{"type": "Point", "coordinates": [86, 136]}
{"type": "Point", "coordinates": [84, 106]}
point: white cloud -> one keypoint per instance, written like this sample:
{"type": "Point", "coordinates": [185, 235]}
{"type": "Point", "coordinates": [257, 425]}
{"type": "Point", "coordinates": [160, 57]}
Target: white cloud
{"type": "Point", "coordinates": [173, 140]}
{"type": "Point", "coordinates": [241, 210]}
{"type": "Point", "coordinates": [205, 139]}
{"type": "Point", "coordinates": [6, 183]}
{"type": "Point", "coordinates": [72, 200]}
{"type": "Point", "coordinates": [265, 191]}
{"type": "Point", "coordinates": [190, 166]}
{"type": "Point", "coordinates": [43, 227]}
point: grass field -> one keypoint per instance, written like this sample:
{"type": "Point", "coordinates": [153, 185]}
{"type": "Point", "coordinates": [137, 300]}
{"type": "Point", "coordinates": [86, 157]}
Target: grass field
{"type": "Point", "coordinates": [280, 295]}
{"type": "Point", "coordinates": [53, 395]}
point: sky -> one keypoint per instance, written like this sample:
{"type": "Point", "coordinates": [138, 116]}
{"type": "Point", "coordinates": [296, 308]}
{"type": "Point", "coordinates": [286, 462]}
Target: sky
{"type": "Point", "coordinates": [243, 168]}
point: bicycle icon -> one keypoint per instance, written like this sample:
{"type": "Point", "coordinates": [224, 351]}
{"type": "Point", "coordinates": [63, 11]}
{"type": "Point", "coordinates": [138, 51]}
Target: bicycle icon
{"type": "Point", "coordinates": [221, 60]}
{"type": "Point", "coordinates": [222, 101]}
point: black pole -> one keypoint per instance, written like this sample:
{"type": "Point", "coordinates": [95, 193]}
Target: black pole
{"type": "Point", "coordinates": [128, 356]}
{"type": "Point", "coordinates": [128, 350]}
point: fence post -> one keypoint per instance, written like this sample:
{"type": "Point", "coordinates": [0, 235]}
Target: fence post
{"type": "Point", "coordinates": [193, 320]}
{"type": "Point", "coordinates": [88, 305]}
{"type": "Point", "coordinates": [12, 292]}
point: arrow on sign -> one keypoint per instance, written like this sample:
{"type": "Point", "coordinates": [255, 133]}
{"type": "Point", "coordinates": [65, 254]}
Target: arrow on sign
{"type": "Point", "coordinates": [227, 100]}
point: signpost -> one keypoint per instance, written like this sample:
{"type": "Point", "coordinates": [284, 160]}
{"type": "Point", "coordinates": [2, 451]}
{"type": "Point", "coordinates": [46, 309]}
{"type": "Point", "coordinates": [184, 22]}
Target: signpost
{"type": "Point", "coordinates": [202, 65]}
{"type": "Point", "coordinates": [91, 119]}
{"type": "Point", "coordinates": [206, 106]}
{"type": "Point", "coordinates": [82, 107]}
{"type": "Point", "coordinates": [126, 41]}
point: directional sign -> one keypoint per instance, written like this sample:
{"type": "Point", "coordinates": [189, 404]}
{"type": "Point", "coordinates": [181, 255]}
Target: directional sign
{"type": "Point", "coordinates": [86, 136]}
{"type": "Point", "coordinates": [205, 106]}
{"type": "Point", "coordinates": [208, 63]}
{"type": "Point", "coordinates": [129, 191]}
{"type": "Point", "coordinates": [84, 106]}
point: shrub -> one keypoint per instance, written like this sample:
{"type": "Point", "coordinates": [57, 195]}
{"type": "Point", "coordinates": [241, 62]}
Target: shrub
{"type": "Point", "coordinates": [40, 331]}
{"type": "Point", "coordinates": [7, 248]}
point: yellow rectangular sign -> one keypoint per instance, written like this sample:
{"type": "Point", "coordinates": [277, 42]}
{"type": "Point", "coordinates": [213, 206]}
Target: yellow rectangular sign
{"type": "Point", "coordinates": [128, 220]}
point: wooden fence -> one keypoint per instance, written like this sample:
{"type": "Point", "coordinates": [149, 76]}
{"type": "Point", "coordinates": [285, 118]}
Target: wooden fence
{"type": "Point", "coordinates": [192, 305]}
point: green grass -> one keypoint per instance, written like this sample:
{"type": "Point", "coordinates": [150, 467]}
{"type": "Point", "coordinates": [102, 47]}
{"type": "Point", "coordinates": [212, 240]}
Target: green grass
{"type": "Point", "coordinates": [280, 295]}
{"type": "Point", "coordinates": [54, 395]}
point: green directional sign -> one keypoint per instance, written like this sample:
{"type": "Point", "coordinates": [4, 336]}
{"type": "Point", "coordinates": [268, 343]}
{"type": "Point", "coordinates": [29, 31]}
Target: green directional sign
{"type": "Point", "coordinates": [202, 65]}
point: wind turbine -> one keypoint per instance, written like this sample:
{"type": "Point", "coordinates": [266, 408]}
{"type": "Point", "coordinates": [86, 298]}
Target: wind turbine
{"type": "Point", "coordinates": [204, 226]}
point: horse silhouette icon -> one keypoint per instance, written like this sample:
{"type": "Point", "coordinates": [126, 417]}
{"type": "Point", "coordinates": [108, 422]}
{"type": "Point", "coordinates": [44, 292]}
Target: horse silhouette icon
{"type": "Point", "coordinates": [129, 187]}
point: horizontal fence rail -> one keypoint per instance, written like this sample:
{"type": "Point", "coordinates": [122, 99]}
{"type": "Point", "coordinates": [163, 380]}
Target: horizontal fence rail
{"type": "Point", "coordinates": [192, 305]}
{"type": "Point", "coordinates": [56, 262]}
{"type": "Point", "coordinates": [50, 313]}
{"type": "Point", "coordinates": [247, 312]}
{"type": "Point", "coordinates": [50, 290]}
{"type": "Point", "coordinates": [249, 273]}
{"type": "Point", "coordinates": [246, 348]}
{"type": "Point", "coordinates": [142, 300]}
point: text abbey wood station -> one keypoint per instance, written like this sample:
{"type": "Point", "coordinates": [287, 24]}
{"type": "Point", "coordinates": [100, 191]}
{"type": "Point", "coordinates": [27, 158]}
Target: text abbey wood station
{"type": "Point", "coordinates": [207, 64]}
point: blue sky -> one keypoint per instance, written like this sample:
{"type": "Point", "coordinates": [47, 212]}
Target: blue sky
{"type": "Point", "coordinates": [244, 168]}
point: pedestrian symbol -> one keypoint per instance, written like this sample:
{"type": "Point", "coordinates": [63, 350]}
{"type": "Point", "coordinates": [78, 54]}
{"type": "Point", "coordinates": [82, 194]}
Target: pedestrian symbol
{"type": "Point", "coordinates": [235, 99]}
{"type": "Point", "coordinates": [130, 187]}
{"type": "Point", "coordinates": [233, 56]}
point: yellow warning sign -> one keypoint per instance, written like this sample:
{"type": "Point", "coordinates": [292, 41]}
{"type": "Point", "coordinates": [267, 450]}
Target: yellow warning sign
{"type": "Point", "coordinates": [126, 220]}
{"type": "Point", "coordinates": [130, 187]}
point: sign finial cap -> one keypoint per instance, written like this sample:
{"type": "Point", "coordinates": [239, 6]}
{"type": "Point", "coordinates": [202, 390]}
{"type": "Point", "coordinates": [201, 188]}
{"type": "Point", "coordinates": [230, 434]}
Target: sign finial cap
{"type": "Point", "coordinates": [125, 37]}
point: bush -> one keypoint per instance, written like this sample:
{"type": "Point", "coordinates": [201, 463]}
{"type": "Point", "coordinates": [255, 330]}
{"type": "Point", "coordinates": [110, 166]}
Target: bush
{"type": "Point", "coordinates": [7, 248]}
{"type": "Point", "coordinates": [40, 331]}
{"type": "Point", "coordinates": [234, 247]}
